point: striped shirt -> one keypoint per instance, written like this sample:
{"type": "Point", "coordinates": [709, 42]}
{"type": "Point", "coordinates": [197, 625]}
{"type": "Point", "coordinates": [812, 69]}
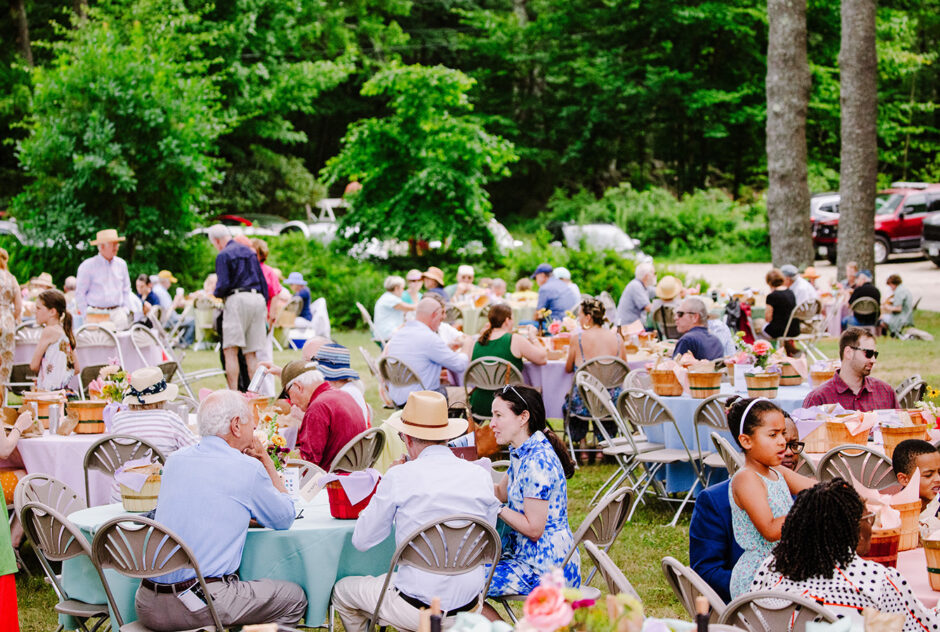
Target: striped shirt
{"type": "Point", "coordinates": [162, 428]}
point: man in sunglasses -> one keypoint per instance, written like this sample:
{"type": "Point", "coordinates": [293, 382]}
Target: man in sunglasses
{"type": "Point", "coordinates": [692, 323]}
{"type": "Point", "coordinates": [852, 386]}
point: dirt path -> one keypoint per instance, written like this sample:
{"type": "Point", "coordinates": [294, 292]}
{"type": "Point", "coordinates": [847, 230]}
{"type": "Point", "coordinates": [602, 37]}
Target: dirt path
{"type": "Point", "coordinates": [920, 276]}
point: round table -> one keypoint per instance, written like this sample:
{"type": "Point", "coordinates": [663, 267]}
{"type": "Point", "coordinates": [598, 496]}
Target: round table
{"type": "Point", "coordinates": [556, 383]}
{"type": "Point", "coordinates": [681, 477]}
{"type": "Point", "coordinates": [315, 553]}
{"type": "Point", "coordinates": [64, 458]}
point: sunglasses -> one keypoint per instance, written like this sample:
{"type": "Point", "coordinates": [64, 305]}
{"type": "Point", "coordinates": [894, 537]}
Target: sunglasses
{"type": "Point", "coordinates": [869, 353]}
{"type": "Point", "coordinates": [510, 387]}
{"type": "Point", "coordinates": [795, 446]}
{"type": "Point", "coordinates": [869, 518]}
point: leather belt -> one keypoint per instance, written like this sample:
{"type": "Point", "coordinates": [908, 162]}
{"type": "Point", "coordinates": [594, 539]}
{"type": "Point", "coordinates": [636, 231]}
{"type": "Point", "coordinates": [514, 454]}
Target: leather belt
{"type": "Point", "coordinates": [179, 587]}
{"type": "Point", "coordinates": [105, 308]}
{"type": "Point", "coordinates": [245, 289]}
{"type": "Point", "coordinates": [417, 603]}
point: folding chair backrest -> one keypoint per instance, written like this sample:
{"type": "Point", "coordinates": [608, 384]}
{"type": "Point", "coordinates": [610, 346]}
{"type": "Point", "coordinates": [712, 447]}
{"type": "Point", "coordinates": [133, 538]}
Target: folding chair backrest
{"type": "Point", "coordinates": [138, 547]}
{"type": "Point", "coordinates": [665, 321]}
{"type": "Point", "coordinates": [865, 306]}
{"type": "Point", "coordinates": [452, 314]}
{"type": "Point", "coordinates": [912, 393]}
{"type": "Point", "coordinates": [710, 413]}
{"type": "Point", "coordinates": [617, 582]}
{"type": "Point", "coordinates": [490, 373]}
{"type": "Point", "coordinates": [687, 585]}
{"type": "Point", "coordinates": [600, 406]}
{"type": "Point", "coordinates": [804, 312]}
{"type": "Point", "coordinates": [55, 539]}
{"type": "Point", "coordinates": [110, 453]}
{"type": "Point", "coordinates": [605, 521]}
{"type": "Point", "coordinates": [90, 337]}
{"type": "Point", "coordinates": [143, 338]}
{"type": "Point", "coordinates": [643, 408]}
{"type": "Point", "coordinates": [907, 382]}
{"type": "Point", "coordinates": [307, 469]}
{"type": "Point", "coordinates": [366, 316]}
{"type": "Point", "coordinates": [638, 378]}
{"type": "Point", "coordinates": [452, 545]}
{"type": "Point", "coordinates": [360, 453]}
{"type": "Point", "coordinates": [773, 611]}
{"type": "Point", "coordinates": [609, 370]}
{"type": "Point", "coordinates": [869, 467]}
{"type": "Point", "coordinates": [370, 363]}
{"type": "Point", "coordinates": [49, 491]}
{"type": "Point", "coordinates": [805, 467]}
{"type": "Point", "coordinates": [397, 373]}
{"type": "Point", "coordinates": [27, 334]}
{"type": "Point", "coordinates": [733, 459]}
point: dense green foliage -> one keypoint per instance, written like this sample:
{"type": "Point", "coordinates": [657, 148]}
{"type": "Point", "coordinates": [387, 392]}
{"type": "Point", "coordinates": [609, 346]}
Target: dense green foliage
{"type": "Point", "coordinates": [423, 167]}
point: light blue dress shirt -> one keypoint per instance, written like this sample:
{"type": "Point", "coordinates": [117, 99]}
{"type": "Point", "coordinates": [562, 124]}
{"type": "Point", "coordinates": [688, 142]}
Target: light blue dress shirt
{"type": "Point", "coordinates": [425, 352]}
{"type": "Point", "coordinates": [386, 318]}
{"type": "Point", "coordinates": [556, 296]}
{"type": "Point", "coordinates": [102, 283]}
{"type": "Point", "coordinates": [208, 494]}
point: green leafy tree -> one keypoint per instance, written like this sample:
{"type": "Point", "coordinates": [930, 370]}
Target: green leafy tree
{"type": "Point", "coordinates": [121, 134]}
{"type": "Point", "coordinates": [424, 167]}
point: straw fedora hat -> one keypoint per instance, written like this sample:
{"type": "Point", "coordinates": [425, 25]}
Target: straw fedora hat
{"type": "Point", "coordinates": [43, 280]}
{"type": "Point", "coordinates": [106, 236]}
{"type": "Point", "coordinates": [810, 273]}
{"type": "Point", "coordinates": [425, 417]}
{"type": "Point", "coordinates": [668, 288]}
{"type": "Point", "coordinates": [435, 274]}
{"type": "Point", "coordinates": [147, 386]}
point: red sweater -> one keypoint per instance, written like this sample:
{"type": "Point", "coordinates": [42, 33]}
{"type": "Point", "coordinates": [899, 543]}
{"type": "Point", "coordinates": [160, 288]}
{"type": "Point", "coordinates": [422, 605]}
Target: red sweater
{"type": "Point", "coordinates": [332, 419]}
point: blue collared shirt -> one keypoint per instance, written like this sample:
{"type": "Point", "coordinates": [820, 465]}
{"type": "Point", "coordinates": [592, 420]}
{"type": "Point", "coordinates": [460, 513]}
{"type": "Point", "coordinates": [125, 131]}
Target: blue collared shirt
{"type": "Point", "coordinates": [102, 283]}
{"type": "Point", "coordinates": [556, 296]}
{"type": "Point", "coordinates": [425, 352]}
{"type": "Point", "coordinates": [633, 302]}
{"type": "Point", "coordinates": [237, 267]}
{"type": "Point", "coordinates": [208, 494]}
{"type": "Point", "coordinates": [702, 344]}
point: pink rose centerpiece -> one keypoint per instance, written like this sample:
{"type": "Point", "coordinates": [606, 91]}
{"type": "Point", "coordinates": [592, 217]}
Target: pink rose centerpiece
{"type": "Point", "coordinates": [552, 607]}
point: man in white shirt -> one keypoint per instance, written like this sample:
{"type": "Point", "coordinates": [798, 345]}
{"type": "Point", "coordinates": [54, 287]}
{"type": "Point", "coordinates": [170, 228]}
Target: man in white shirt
{"type": "Point", "coordinates": [418, 345]}
{"type": "Point", "coordinates": [430, 484]}
{"type": "Point", "coordinates": [802, 289]}
{"type": "Point", "coordinates": [103, 284]}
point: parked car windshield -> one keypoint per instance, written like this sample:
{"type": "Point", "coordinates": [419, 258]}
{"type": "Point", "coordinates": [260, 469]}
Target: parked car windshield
{"type": "Point", "coordinates": [886, 203]}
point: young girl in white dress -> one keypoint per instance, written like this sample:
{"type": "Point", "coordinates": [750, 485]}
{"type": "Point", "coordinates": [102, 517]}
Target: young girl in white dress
{"type": "Point", "coordinates": [54, 358]}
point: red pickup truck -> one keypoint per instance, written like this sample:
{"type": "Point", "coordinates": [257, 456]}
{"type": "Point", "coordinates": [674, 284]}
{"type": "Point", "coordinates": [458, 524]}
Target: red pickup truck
{"type": "Point", "coordinates": [899, 220]}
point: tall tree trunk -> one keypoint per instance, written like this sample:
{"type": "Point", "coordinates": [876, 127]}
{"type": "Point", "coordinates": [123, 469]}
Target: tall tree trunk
{"type": "Point", "coordinates": [858, 66]}
{"type": "Point", "coordinates": [788, 87]}
{"type": "Point", "coordinates": [18, 13]}
{"type": "Point", "coordinates": [80, 7]}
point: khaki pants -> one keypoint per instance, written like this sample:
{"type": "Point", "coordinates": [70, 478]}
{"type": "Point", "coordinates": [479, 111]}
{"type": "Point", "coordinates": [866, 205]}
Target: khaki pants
{"type": "Point", "coordinates": [236, 602]}
{"type": "Point", "coordinates": [354, 599]}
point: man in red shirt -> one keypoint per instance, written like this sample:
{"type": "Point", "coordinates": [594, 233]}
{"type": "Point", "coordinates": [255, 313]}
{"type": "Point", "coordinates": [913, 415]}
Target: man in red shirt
{"type": "Point", "coordinates": [331, 417]}
{"type": "Point", "coordinates": [851, 386]}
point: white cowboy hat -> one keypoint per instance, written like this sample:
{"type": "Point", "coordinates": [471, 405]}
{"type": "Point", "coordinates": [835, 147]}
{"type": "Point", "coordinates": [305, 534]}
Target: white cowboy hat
{"type": "Point", "coordinates": [106, 236]}
{"type": "Point", "coordinates": [425, 417]}
{"type": "Point", "coordinates": [147, 386]}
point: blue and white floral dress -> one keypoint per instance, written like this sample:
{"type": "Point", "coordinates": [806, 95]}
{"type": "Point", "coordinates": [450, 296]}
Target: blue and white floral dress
{"type": "Point", "coordinates": [536, 472]}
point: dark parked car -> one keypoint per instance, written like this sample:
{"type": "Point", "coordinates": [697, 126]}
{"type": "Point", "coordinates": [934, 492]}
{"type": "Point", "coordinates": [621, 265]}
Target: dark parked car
{"type": "Point", "coordinates": [930, 243]}
{"type": "Point", "coordinates": [900, 212]}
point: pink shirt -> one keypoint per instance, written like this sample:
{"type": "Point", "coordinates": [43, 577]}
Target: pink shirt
{"type": "Point", "coordinates": [270, 277]}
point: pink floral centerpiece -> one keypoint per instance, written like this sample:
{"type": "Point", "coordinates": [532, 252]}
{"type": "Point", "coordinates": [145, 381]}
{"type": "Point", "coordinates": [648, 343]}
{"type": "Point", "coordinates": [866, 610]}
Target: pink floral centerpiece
{"type": "Point", "coordinates": [551, 607]}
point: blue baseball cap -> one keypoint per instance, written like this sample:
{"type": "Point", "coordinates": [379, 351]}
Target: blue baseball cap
{"type": "Point", "coordinates": [543, 268]}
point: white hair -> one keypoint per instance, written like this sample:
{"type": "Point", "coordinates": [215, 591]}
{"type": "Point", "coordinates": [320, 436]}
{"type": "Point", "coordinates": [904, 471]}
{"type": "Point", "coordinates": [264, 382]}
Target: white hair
{"type": "Point", "coordinates": [465, 270]}
{"type": "Point", "coordinates": [696, 306]}
{"type": "Point", "coordinates": [308, 378]}
{"type": "Point", "coordinates": [497, 282]}
{"type": "Point", "coordinates": [393, 281]}
{"type": "Point", "coordinates": [217, 411]}
{"type": "Point", "coordinates": [643, 269]}
{"type": "Point", "coordinates": [219, 231]}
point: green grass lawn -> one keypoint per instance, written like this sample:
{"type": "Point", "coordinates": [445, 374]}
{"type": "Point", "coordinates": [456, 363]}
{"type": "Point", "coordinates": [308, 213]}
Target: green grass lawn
{"type": "Point", "coordinates": [644, 541]}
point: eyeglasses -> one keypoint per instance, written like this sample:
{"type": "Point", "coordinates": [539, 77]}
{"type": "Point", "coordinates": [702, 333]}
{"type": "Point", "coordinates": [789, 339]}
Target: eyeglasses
{"type": "Point", "coordinates": [869, 518]}
{"type": "Point", "coordinates": [869, 353]}
{"type": "Point", "coordinates": [795, 446]}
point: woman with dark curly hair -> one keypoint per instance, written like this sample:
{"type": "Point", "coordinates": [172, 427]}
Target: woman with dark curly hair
{"type": "Point", "coordinates": [594, 340]}
{"type": "Point", "coordinates": [817, 558]}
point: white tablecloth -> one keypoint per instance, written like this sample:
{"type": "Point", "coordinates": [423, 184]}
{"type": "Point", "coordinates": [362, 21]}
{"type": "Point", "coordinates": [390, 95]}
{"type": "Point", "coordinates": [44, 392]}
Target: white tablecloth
{"type": "Point", "coordinates": [913, 567]}
{"type": "Point", "coordinates": [63, 458]}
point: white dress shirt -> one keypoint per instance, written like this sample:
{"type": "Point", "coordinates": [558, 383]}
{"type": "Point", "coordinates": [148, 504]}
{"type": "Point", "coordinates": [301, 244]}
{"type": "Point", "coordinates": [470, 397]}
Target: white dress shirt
{"type": "Point", "coordinates": [803, 290]}
{"type": "Point", "coordinates": [103, 283]}
{"type": "Point", "coordinates": [425, 352]}
{"type": "Point", "coordinates": [434, 485]}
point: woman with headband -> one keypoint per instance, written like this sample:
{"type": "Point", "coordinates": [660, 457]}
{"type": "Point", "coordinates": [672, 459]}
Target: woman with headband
{"type": "Point", "coordinates": [761, 492]}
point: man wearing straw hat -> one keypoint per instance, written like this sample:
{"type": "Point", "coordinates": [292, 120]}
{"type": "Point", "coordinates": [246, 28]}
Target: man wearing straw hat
{"type": "Point", "coordinates": [430, 484]}
{"type": "Point", "coordinates": [103, 285]}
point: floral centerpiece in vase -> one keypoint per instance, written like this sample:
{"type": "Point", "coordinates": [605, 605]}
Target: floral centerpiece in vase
{"type": "Point", "coordinates": [267, 435]}
{"type": "Point", "coordinates": [929, 407]}
{"type": "Point", "coordinates": [551, 607]}
{"type": "Point", "coordinates": [762, 376]}
{"type": "Point", "coordinates": [111, 383]}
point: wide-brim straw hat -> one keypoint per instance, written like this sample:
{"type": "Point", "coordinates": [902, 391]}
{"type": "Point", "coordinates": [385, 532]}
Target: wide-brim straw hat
{"type": "Point", "coordinates": [668, 288]}
{"type": "Point", "coordinates": [425, 417]}
{"type": "Point", "coordinates": [810, 273]}
{"type": "Point", "coordinates": [435, 274]}
{"type": "Point", "coordinates": [148, 386]}
{"type": "Point", "coordinates": [43, 280]}
{"type": "Point", "coordinates": [106, 236]}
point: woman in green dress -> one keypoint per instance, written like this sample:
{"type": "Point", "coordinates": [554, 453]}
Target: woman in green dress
{"type": "Point", "coordinates": [497, 340]}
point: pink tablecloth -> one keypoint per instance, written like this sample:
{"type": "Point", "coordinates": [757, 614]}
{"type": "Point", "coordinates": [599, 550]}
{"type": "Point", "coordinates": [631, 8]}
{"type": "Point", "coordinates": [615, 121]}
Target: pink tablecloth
{"type": "Point", "coordinates": [63, 458]}
{"type": "Point", "coordinates": [913, 567]}
{"type": "Point", "coordinates": [555, 383]}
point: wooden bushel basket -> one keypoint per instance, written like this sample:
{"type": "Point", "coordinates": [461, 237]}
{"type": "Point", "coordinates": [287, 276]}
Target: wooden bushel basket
{"type": "Point", "coordinates": [43, 401]}
{"type": "Point", "coordinates": [90, 416]}
{"type": "Point", "coordinates": [665, 383]}
{"type": "Point", "coordinates": [893, 436]}
{"type": "Point", "coordinates": [818, 378]}
{"type": "Point", "coordinates": [762, 384]}
{"type": "Point", "coordinates": [884, 547]}
{"type": "Point", "coordinates": [910, 525]}
{"type": "Point", "coordinates": [932, 551]}
{"type": "Point", "coordinates": [703, 385]}
{"type": "Point", "coordinates": [789, 376]}
{"type": "Point", "coordinates": [145, 499]}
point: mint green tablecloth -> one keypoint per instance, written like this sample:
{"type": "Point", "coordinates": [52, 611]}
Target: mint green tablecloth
{"type": "Point", "coordinates": [315, 553]}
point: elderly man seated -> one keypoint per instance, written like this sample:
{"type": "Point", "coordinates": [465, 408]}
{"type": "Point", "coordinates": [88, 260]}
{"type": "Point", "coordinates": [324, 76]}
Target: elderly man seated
{"type": "Point", "coordinates": [418, 345]}
{"type": "Point", "coordinates": [692, 323]}
{"type": "Point", "coordinates": [554, 295]}
{"type": "Point", "coordinates": [430, 484]}
{"type": "Point", "coordinates": [331, 416]}
{"type": "Point", "coordinates": [852, 386]}
{"type": "Point", "coordinates": [209, 493]}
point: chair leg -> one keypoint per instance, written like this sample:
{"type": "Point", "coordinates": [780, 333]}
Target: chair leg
{"type": "Point", "coordinates": [685, 500]}
{"type": "Point", "coordinates": [509, 612]}
{"type": "Point", "coordinates": [649, 479]}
